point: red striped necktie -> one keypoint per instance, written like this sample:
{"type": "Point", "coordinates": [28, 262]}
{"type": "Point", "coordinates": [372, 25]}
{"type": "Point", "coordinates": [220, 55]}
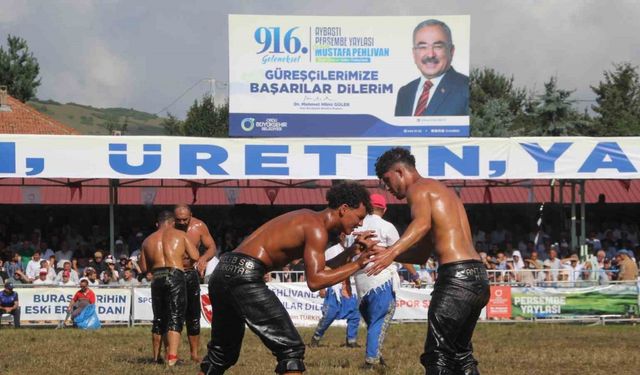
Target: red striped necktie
{"type": "Point", "coordinates": [424, 98]}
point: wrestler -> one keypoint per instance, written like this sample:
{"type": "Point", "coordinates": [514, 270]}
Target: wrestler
{"type": "Point", "coordinates": [162, 254]}
{"type": "Point", "coordinates": [240, 296]}
{"type": "Point", "coordinates": [439, 223]}
{"type": "Point", "coordinates": [198, 234]}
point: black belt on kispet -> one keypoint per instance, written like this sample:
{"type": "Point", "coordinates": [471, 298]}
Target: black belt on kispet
{"type": "Point", "coordinates": [164, 271]}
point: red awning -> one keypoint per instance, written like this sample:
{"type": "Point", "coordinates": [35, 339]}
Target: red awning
{"type": "Point", "coordinates": [289, 192]}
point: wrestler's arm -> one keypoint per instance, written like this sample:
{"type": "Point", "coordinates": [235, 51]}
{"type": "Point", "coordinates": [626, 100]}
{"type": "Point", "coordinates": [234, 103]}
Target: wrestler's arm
{"type": "Point", "coordinates": [318, 277]}
{"type": "Point", "coordinates": [418, 200]}
{"type": "Point", "coordinates": [210, 246]}
{"type": "Point", "coordinates": [363, 240]}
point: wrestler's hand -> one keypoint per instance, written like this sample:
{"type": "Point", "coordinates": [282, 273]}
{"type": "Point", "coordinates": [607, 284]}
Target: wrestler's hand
{"type": "Point", "coordinates": [201, 266]}
{"type": "Point", "coordinates": [365, 240]}
{"type": "Point", "coordinates": [363, 259]}
{"type": "Point", "coordinates": [380, 259]}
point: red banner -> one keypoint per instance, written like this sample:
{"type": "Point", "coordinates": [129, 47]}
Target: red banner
{"type": "Point", "coordinates": [499, 305]}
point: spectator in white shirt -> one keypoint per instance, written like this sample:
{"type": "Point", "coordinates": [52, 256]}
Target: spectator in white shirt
{"type": "Point", "coordinates": [33, 267]}
{"type": "Point", "coordinates": [66, 267]}
{"type": "Point", "coordinates": [128, 279]}
{"type": "Point", "coordinates": [42, 278]}
{"type": "Point", "coordinates": [66, 279]}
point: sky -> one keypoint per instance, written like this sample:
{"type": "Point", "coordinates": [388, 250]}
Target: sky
{"type": "Point", "coordinates": [160, 55]}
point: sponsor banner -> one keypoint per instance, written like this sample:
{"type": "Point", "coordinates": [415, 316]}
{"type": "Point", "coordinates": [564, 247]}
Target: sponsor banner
{"type": "Point", "coordinates": [615, 299]}
{"type": "Point", "coordinates": [142, 309]}
{"type": "Point", "coordinates": [304, 306]}
{"type": "Point", "coordinates": [51, 303]}
{"type": "Point", "coordinates": [412, 304]}
{"type": "Point", "coordinates": [311, 76]}
{"type": "Point", "coordinates": [499, 305]}
{"type": "Point", "coordinates": [221, 158]}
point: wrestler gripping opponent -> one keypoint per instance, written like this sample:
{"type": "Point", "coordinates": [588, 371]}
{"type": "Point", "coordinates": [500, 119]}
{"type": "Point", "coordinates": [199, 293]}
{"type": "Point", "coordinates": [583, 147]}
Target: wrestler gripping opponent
{"type": "Point", "coordinates": [240, 296]}
{"type": "Point", "coordinates": [162, 254]}
{"type": "Point", "coordinates": [439, 223]}
{"type": "Point", "coordinates": [198, 234]}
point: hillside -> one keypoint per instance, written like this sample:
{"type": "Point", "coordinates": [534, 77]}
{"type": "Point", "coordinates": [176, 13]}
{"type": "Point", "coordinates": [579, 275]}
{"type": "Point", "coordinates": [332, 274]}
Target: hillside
{"type": "Point", "coordinates": [93, 121]}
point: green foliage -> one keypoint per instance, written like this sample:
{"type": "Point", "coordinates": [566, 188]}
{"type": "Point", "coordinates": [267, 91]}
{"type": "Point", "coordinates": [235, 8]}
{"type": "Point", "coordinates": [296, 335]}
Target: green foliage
{"type": "Point", "coordinates": [554, 115]}
{"type": "Point", "coordinates": [19, 69]}
{"type": "Point", "coordinates": [205, 119]}
{"type": "Point", "coordinates": [618, 102]}
{"type": "Point", "coordinates": [496, 105]}
{"type": "Point", "coordinates": [87, 120]}
{"type": "Point", "coordinates": [172, 126]}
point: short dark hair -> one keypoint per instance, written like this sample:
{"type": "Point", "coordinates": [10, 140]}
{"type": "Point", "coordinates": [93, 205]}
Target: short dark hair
{"type": "Point", "coordinates": [165, 216]}
{"type": "Point", "coordinates": [349, 193]}
{"type": "Point", "coordinates": [390, 157]}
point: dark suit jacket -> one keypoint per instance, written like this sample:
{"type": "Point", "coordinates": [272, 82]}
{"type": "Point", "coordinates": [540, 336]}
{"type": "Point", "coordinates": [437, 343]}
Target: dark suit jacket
{"type": "Point", "coordinates": [450, 99]}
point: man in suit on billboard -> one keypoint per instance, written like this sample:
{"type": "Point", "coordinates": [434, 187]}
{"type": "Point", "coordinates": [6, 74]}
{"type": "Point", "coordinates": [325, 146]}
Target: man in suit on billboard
{"type": "Point", "coordinates": [440, 90]}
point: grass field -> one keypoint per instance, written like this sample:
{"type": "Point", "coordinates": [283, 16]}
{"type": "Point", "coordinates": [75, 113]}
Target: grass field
{"type": "Point", "coordinates": [501, 349]}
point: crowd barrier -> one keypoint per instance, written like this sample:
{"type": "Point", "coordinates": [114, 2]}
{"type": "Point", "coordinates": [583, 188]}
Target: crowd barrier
{"type": "Point", "coordinates": [132, 305]}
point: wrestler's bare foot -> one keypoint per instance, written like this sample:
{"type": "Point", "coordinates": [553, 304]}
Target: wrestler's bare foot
{"type": "Point", "coordinates": [172, 360]}
{"type": "Point", "coordinates": [195, 358]}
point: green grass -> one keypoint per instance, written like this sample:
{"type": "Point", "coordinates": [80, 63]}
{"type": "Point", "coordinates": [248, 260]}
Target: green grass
{"type": "Point", "coordinates": [524, 348]}
{"type": "Point", "coordinates": [90, 120]}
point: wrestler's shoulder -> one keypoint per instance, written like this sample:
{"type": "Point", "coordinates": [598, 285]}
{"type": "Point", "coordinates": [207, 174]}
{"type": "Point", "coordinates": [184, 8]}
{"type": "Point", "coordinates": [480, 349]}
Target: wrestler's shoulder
{"type": "Point", "coordinates": [197, 224]}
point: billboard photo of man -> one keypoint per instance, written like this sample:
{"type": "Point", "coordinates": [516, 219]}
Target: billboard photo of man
{"type": "Point", "coordinates": [440, 90]}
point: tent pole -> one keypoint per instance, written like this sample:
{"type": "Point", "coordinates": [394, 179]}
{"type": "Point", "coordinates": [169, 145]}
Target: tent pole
{"type": "Point", "coordinates": [583, 224]}
{"type": "Point", "coordinates": [112, 202]}
{"type": "Point", "coordinates": [574, 240]}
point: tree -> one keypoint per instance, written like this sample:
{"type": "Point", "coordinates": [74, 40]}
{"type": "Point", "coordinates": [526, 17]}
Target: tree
{"type": "Point", "coordinates": [205, 119]}
{"type": "Point", "coordinates": [172, 126]}
{"type": "Point", "coordinates": [496, 105]}
{"type": "Point", "coordinates": [554, 114]}
{"type": "Point", "coordinates": [19, 69]}
{"type": "Point", "coordinates": [618, 102]}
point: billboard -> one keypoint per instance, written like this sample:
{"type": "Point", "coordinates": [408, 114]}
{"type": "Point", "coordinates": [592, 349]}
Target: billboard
{"type": "Point", "coordinates": [304, 76]}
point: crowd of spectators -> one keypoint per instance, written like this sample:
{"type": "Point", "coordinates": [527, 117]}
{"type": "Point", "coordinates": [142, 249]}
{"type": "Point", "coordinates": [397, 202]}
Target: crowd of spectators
{"type": "Point", "coordinates": [536, 258]}
{"type": "Point", "coordinates": [62, 254]}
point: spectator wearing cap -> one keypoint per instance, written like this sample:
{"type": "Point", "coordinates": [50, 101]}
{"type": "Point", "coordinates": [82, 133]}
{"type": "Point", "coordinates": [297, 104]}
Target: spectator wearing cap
{"type": "Point", "coordinates": [110, 275]}
{"type": "Point", "coordinates": [42, 278]}
{"type": "Point", "coordinates": [9, 303]}
{"type": "Point", "coordinates": [51, 272]}
{"type": "Point", "coordinates": [73, 274]}
{"type": "Point", "coordinates": [122, 263]}
{"type": "Point", "coordinates": [91, 276]}
{"type": "Point", "coordinates": [98, 263]}
{"type": "Point", "coordinates": [81, 299]}
{"type": "Point", "coordinates": [377, 292]}
{"type": "Point", "coordinates": [628, 268]}
{"type": "Point", "coordinates": [573, 268]}
{"type": "Point", "coordinates": [66, 279]}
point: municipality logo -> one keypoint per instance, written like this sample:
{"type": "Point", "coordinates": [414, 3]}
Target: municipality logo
{"type": "Point", "coordinates": [247, 124]}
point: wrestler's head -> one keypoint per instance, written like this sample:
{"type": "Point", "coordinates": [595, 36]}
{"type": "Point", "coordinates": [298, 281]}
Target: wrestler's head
{"type": "Point", "coordinates": [352, 203]}
{"type": "Point", "coordinates": [84, 284]}
{"type": "Point", "coordinates": [166, 218]}
{"type": "Point", "coordinates": [182, 213]}
{"type": "Point", "coordinates": [395, 168]}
